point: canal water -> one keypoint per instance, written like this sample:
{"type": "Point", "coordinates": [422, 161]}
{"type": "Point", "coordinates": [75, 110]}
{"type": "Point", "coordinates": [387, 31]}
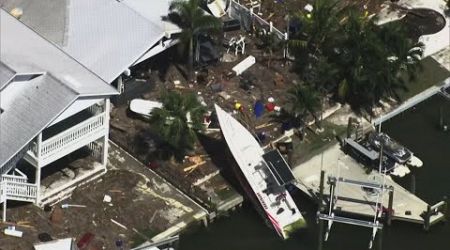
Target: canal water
{"type": "Point", "coordinates": [417, 128]}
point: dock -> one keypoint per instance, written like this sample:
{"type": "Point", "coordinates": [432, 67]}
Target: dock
{"type": "Point", "coordinates": [352, 198]}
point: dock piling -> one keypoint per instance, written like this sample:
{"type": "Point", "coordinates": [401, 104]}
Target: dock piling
{"type": "Point", "coordinates": [320, 243]}
{"type": "Point", "coordinates": [380, 239]}
{"type": "Point", "coordinates": [426, 221]}
{"type": "Point", "coordinates": [322, 182]}
{"type": "Point", "coordinates": [390, 204]}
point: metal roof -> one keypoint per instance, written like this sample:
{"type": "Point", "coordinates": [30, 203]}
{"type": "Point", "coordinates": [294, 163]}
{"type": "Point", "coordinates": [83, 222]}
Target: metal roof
{"type": "Point", "coordinates": [47, 17]}
{"type": "Point", "coordinates": [5, 74]}
{"type": "Point", "coordinates": [30, 105]}
{"type": "Point", "coordinates": [107, 36]}
{"type": "Point", "coordinates": [35, 103]}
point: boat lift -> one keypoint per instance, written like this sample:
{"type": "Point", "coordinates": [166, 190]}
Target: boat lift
{"type": "Point", "coordinates": [379, 187]}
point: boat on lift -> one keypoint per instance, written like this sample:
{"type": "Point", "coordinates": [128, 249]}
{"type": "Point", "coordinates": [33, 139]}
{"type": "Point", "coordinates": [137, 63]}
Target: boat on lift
{"type": "Point", "coordinates": [391, 148]}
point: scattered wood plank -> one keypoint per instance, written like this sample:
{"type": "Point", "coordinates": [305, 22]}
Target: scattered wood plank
{"type": "Point", "coordinates": [265, 125]}
{"type": "Point", "coordinates": [270, 16]}
{"type": "Point", "coordinates": [118, 224]}
{"type": "Point", "coordinates": [192, 167]}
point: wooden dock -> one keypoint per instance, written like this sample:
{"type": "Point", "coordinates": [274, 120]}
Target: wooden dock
{"type": "Point", "coordinates": [352, 198]}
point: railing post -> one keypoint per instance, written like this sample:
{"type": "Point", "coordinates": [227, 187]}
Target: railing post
{"type": "Point", "coordinates": [4, 211]}
{"type": "Point", "coordinates": [270, 26]}
{"type": "Point", "coordinates": [38, 167]}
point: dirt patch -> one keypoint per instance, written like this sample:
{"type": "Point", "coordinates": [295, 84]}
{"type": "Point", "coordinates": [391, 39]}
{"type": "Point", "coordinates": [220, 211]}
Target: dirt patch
{"type": "Point", "coordinates": [140, 200]}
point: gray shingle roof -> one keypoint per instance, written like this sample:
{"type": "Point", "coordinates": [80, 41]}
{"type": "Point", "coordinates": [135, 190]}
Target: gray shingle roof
{"type": "Point", "coordinates": [29, 106]}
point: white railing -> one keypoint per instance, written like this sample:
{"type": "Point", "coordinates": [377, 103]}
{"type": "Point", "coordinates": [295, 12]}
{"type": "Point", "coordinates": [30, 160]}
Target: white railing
{"type": "Point", "coordinates": [95, 109]}
{"type": "Point", "coordinates": [15, 190]}
{"type": "Point", "coordinates": [14, 178]}
{"type": "Point", "coordinates": [96, 149]}
{"type": "Point", "coordinates": [72, 135]}
{"type": "Point", "coordinates": [2, 192]}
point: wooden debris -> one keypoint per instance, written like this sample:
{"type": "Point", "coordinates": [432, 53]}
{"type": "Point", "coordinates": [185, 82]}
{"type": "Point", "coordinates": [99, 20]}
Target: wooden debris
{"type": "Point", "coordinates": [270, 16]}
{"type": "Point", "coordinates": [224, 95]}
{"type": "Point", "coordinates": [180, 87]}
{"type": "Point", "coordinates": [118, 224]}
{"type": "Point", "coordinates": [193, 167]}
{"type": "Point", "coordinates": [265, 125]}
{"type": "Point", "coordinates": [278, 79]}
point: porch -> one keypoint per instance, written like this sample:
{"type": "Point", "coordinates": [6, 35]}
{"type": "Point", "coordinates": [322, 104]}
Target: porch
{"type": "Point", "coordinates": [68, 135]}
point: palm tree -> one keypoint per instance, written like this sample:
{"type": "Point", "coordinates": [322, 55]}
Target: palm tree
{"type": "Point", "coordinates": [303, 99]}
{"type": "Point", "coordinates": [193, 21]}
{"type": "Point", "coordinates": [373, 61]}
{"type": "Point", "coordinates": [318, 32]}
{"type": "Point", "coordinates": [178, 121]}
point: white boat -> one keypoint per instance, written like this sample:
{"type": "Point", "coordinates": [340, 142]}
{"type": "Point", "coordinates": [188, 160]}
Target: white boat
{"type": "Point", "coordinates": [266, 175]}
{"type": "Point", "coordinates": [144, 107]}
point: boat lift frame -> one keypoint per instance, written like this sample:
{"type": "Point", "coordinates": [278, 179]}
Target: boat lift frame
{"type": "Point", "coordinates": [330, 217]}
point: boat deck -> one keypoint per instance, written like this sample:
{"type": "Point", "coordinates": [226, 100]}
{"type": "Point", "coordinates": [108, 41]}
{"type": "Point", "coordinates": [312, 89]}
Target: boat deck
{"type": "Point", "coordinates": [406, 206]}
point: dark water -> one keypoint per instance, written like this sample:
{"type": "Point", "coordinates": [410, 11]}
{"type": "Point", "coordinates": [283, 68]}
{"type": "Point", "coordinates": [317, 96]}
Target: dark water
{"type": "Point", "coordinates": [418, 129]}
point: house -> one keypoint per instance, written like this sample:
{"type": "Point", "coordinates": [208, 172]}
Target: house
{"type": "Point", "coordinates": [106, 36]}
{"type": "Point", "coordinates": [51, 106]}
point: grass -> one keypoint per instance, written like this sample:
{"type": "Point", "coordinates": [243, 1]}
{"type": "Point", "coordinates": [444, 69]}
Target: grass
{"type": "Point", "coordinates": [299, 224]}
{"type": "Point", "coordinates": [432, 74]}
{"type": "Point", "coordinates": [315, 143]}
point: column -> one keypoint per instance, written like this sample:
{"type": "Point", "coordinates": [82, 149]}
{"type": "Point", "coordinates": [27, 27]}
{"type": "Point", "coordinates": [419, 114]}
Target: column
{"type": "Point", "coordinates": [106, 136]}
{"type": "Point", "coordinates": [4, 211]}
{"type": "Point", "coordinates": [120, 86]}
{"type": "Point", "coordinates": [38, 168]}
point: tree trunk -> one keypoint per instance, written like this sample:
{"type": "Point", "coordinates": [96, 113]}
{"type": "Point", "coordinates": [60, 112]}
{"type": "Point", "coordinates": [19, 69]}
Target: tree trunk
{"type": "Point", "coordinates": [191, 59]}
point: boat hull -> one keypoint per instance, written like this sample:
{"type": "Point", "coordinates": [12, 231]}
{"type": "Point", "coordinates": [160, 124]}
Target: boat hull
{"type": "Point", "coordinates": [273, 202]}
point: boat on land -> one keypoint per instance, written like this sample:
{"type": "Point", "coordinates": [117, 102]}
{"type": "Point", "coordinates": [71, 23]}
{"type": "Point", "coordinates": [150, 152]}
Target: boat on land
{"type": "Point", "coordinates": [263, 175]}
{"type": "Point", "coordinates": [144, 107]}
{"type": "Point", "coordinates": [391, 148]}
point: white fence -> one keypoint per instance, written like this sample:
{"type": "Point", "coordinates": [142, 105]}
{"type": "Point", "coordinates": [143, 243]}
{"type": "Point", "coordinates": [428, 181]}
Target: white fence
{"type": "Point", "coordinates": [249, 19]}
